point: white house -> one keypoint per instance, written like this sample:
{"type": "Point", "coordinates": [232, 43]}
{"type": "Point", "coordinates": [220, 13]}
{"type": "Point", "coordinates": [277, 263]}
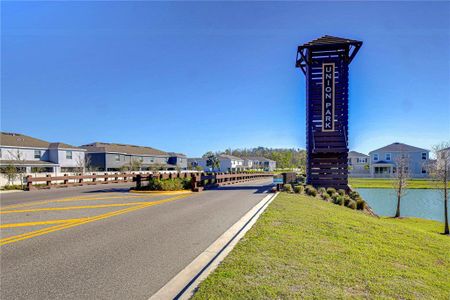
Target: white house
{"type": "Point", "coordinates": [260, 163]}
{"type": "Point", "coordinates": [37, 156]}
{"type": "Point", "coordinates": [228, 163]}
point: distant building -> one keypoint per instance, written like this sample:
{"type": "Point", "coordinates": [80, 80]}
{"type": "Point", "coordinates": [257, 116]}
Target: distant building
{"type": "Point", "coordinates": [38, 156]}
{"type": "Point", "coordinates": [118, 157]}
{"type": "Point", "coordinates": [228, 163]}
{"type": "Point", "coordinates": [178, 161]}
{"type": "Point", "coordinates": [383, 160]}
{"type": "Point", "coordinates": [259, 163]}
{"type": "Point", "coordinates": [359, 164]}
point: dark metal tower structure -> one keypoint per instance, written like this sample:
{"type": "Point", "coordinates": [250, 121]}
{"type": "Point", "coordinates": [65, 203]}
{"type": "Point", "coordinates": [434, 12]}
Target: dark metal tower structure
{"type": "Point", "coordinates": [325, 62]}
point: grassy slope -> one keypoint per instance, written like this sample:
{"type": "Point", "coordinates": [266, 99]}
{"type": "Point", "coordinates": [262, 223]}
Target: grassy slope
{"type": "Point", "coordinates": [388, 183]}
{"type": "Point", "coordinates": [304, 247]}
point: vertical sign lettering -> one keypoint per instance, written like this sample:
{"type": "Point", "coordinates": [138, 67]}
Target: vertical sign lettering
{"type": "Point", "coordinates": [328, 97]}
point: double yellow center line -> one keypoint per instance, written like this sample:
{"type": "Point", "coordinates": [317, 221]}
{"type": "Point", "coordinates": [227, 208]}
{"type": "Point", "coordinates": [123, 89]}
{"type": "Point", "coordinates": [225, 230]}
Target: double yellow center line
{"type": "Point", "coordinates": [76, 222]}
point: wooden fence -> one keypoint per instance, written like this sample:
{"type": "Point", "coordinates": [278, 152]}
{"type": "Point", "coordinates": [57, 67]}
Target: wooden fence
{"type": "Point", "coordinates": [199, 180]}
{"type": "Point", "coordinates": [49, 181]}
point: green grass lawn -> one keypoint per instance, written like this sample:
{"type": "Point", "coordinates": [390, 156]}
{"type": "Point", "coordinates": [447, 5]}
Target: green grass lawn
{"type": "Point", "coordinates": [303, 247]}
{"type": "Point", "coordinates": [388, 183]}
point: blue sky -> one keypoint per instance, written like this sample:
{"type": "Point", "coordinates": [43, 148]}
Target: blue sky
{"type": "Point", "coordinates": [198, 76]}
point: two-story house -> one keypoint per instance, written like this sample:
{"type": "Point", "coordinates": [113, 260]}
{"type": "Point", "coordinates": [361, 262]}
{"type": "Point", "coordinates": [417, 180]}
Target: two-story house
{"type": "Point", "coordinates": [33, 155]}
{"type": "Point", "coordinates": [228, 163]}
{"type": "Point", "coordinates": [383, 161]}
{"type": "Point", "coordinates": [119, 157]}
{"type": "Point", "coordinates": [359, 164]}
{"type": "Point", "coordinates": [260, 163]}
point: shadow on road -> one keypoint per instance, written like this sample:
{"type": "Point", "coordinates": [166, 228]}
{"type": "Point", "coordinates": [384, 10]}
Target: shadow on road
{"type": "Point", "coordinates": [258, 188]}
{"type": "Point", "coordinates": [109, 190]}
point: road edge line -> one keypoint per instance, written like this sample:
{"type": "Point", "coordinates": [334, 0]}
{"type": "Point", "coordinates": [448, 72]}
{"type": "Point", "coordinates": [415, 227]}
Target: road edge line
{"type": "Point", "coordinates": [184, 284]}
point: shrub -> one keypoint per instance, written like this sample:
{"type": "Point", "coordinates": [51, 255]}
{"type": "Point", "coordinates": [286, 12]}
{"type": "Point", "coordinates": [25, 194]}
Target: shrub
{"type": "Point", "coordinates": [14, 187]}
{"type": "Point", "coordinates": [360, 204]}
{"type": "Point", "coordinates": [347, 200]}
{"type": "Point", "coordinates": [298, 189]}
{"type": "Point", "coordinates": [351, 204]}
{"type": "Point", "coordinates": [310, 190]}
{"type": "Point", "coordinates": [322, 190]}
{"type": "Point", "coordinates": [168, 184]}
{"type": "Point", "coordinates": [334, 197]}
{"type": "Point", "coordinates": [326, 197]}
{"type": "Point", "coordinates": [341, 192]}
{"type": "Point", "coordinates": [287, 188]}
{"type": "Point", "coordinates": [331, 191]}
{"type": "Point", "coordinates": [354, 195]}
{"type": "Point", "coordinates": [339, 200]}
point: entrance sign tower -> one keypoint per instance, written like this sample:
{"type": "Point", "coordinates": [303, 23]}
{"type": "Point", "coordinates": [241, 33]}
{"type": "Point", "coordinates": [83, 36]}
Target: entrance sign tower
{"type": "Point", "coordinates": [324, 62]}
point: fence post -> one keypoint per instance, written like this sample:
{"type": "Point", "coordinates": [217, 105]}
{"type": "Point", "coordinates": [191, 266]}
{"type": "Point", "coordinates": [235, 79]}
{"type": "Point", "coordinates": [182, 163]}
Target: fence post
{"type": "Point", "coordinates": [94, 179]}
{"type": "Point", "coordinates": [29, 183]}
{"type": "Point", "coordinates": [49, 181]}
{"type": "Point", "coordinates": [138, 181]}
{"type": "Point", "coordinates": [66, 181]}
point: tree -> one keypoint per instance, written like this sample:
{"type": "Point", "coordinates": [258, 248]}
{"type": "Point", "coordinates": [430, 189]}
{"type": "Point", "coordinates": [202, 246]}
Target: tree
{"type": "Point", "coordinates": [439, 170]}
{"type": "Point", "coordinates": [401, 175]}
{"type": "Point", "coordinates": [10, 172]}
{"type": "Point", "coordinates": [212, 160]}
{"type": "Point", "coordinates": [135, 164]}
{"type": "Point", "coordinates": [81, 164]}
{"type": "Point", "coordinates": [18, 164]}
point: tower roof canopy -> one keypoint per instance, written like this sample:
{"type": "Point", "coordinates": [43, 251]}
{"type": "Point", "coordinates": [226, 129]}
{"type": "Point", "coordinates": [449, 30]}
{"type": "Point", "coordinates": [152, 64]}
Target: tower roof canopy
{"type": "Point", "coordinates": [327, 40]}
{"type": "Point", "coordinates": [322, 44]}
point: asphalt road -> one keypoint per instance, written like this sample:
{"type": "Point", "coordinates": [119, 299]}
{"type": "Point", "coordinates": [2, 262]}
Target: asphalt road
{"type": "Point", "coordinates": [102, 242]}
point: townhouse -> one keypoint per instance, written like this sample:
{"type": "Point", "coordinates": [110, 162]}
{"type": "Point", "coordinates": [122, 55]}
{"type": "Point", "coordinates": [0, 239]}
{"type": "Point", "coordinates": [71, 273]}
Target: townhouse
{"type": "Point", "coordinates": [123, 157]}
{"type": "Point", "coordinates": [33, 155]}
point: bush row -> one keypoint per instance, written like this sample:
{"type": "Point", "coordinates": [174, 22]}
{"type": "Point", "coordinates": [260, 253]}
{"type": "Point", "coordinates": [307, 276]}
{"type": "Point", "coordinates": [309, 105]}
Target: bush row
{"type": "Point", "coordinates": [339, 197]}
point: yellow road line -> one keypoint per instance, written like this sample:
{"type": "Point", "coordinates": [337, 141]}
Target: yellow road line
{"type": "Point", "coordinates": [37, 223]}
{"type": "Point", "coordinates": [71, 207]}
{"type": "Point", "coordinates": [73, 199]}
{"type": "Point", "coordinates": [35, 233]}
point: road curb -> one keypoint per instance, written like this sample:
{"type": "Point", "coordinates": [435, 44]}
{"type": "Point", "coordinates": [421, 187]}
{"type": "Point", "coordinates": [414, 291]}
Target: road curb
{"type": "Point", "coordinates": [184, 284]}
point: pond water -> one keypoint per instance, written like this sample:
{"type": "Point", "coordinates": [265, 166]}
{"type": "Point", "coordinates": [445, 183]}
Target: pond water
{"type": "Point", "coordinates": [420, 203]}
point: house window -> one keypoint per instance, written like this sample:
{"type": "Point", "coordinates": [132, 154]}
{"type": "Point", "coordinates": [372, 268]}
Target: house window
{"type": "Point", "coordinates": [388, 156]}
{"type": "Point", "coordinates": [37, 154]}
{"type": "Point", "coordinates": [68, 154]}
{"type": "Point", "coordinates": [375, 156]}
{"type": "Point", "coordinates": [117, 157]}
{"type": "Point", "coordinates": [424, 155]}
{"type": "Point", "coordinates": [424, 171]}
{"type": "Point", "coordinates": [350, 161]}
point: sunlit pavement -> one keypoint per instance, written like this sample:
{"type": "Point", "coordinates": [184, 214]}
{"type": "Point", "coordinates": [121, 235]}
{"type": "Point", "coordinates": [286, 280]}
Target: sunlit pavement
{"type": "Point", "coordinates": [107, 243]}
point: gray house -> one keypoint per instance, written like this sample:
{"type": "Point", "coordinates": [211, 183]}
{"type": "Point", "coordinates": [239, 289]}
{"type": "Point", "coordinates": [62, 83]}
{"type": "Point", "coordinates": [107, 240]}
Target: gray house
{"type": "Point", "coordinates": [33, 155]}
{"type": "Point", "coordinates": [179, 161]}
{"type": "Point", "coordinates": [358, 164]}
{"type": "Point", "coordinates": [383, 160]}
{"type": "Point", "coordinates": [119, 157]}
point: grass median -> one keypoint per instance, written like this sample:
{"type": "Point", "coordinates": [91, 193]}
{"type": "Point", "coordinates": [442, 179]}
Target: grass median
{"type": "Point", "coordinates": [384, 183]}
{"type": "Point", "coordinates": [302, 247]}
